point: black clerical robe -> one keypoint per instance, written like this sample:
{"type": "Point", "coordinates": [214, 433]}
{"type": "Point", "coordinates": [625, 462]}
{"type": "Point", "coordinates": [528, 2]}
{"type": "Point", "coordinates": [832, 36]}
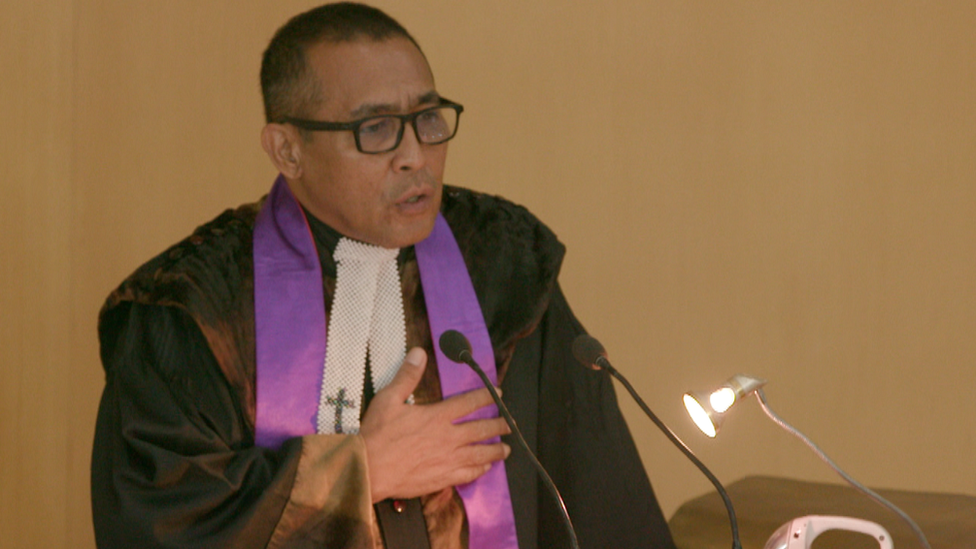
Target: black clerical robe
{"type": "Point", "coordinates": [174, 462]}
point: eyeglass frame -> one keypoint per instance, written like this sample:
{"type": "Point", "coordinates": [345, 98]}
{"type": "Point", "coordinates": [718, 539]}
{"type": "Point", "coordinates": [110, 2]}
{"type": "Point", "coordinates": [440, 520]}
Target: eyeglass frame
{"type": "Point", "coordinates": [353, 126]}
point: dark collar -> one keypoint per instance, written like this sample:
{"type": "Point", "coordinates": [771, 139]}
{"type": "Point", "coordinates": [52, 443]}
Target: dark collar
{"type": "Point", "coordinates": [326, 239]}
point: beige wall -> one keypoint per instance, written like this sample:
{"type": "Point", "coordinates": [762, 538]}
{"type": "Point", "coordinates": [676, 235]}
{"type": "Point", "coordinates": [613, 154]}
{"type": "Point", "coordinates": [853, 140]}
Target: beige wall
{"type": "Point", "coordinates": [783, 188]}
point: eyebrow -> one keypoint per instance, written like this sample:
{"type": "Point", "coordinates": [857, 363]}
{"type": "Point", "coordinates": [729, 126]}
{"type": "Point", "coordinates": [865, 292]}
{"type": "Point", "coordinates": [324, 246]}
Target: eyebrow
{"type": "Point", "coordinates": [370, 109]}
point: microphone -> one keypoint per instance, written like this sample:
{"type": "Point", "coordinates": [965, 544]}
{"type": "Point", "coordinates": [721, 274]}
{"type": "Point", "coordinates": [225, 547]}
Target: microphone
{"type": "Point", "coordinates": [457, 348]}
{"type": "Point", "coordinates": [591, 354]}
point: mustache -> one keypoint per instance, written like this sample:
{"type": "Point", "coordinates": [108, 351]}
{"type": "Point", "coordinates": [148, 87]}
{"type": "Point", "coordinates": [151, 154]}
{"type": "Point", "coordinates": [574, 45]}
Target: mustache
{"type": "Point", "coordinates": [421, 179]}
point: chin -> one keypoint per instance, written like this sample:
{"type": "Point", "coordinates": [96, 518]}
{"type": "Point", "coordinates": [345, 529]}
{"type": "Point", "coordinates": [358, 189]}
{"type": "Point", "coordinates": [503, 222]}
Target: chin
{"type": "Point", "coordinates": [412, 234]}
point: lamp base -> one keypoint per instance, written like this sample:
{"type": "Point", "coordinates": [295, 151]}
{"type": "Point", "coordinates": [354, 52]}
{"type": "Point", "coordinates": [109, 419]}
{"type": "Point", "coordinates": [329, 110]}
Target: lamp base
{"type": "Point", "coordinates": [763, 503]}
{"type": "Point", "coordinates": [800, 532]}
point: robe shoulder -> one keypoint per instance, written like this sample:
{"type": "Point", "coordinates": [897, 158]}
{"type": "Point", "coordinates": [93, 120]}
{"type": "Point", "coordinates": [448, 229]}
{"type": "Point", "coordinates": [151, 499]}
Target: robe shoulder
{"type": "Point", "coordinates": [209, 275]}
{"type": "Point", "coordinates": [215, 255]}
{"type": "Point", "coordinates": [512, 257]}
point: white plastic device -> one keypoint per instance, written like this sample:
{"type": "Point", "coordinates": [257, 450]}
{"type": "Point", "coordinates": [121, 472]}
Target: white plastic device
{"type": "Point", "coordinates": [800, 532]}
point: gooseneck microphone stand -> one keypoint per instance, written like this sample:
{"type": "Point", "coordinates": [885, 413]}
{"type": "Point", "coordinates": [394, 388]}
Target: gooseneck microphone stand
{"type": "Point", "coordinates": [590, 353]}
{"type": "Point", "coordinates": [457, 348]}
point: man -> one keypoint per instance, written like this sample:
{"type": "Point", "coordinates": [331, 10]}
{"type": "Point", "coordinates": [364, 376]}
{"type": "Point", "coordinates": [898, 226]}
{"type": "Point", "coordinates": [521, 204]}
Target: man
{"type": "Point", "coordinates": [219, 425]}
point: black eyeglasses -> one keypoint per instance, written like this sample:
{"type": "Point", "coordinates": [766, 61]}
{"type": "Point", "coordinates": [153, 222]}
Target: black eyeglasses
{"type": "Point", "coordinates": [380, 134]}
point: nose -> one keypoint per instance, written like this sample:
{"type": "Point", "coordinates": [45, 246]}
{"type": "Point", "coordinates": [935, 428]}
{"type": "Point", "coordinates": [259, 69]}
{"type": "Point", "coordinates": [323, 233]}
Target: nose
{"type": "Point", "coordinates": [409, 155]}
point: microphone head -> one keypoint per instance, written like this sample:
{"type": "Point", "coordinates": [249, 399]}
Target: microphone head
{"type": "Point", "coordinates": [455, 345]}
{"type": "Point", "coordinates": [588, 351]}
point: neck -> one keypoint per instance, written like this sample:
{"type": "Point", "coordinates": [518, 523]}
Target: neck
{"type": "Point", "coordinates": [326, 239]}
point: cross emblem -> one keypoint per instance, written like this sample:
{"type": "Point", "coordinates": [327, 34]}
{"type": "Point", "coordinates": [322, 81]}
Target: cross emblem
{"type": "Point", "coordinates": [340, 402]}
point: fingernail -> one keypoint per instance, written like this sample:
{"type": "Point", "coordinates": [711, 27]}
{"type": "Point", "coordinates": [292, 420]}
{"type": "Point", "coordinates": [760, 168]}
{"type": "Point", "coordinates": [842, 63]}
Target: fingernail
{"type": "Point", "coordinates": [498, 390]}
{"type": "Point", "coordinates": [415, 357]}
{"type": "Point", "coordinates": [508, 451]}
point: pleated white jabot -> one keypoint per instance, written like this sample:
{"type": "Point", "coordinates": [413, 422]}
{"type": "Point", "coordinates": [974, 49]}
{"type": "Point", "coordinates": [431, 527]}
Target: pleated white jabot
{"type": "Point", "coordinates": [367, 314]}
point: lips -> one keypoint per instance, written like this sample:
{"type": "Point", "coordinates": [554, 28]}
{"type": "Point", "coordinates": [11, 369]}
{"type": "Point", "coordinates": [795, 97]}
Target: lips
{"type": "Point", "coordinates": [413, 196]}
{"type": "Point", "coordinates": [420, 191]}
{"type": "Point", "coordinates": [415, 202]}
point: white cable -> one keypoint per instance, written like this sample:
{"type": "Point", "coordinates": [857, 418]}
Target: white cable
{"type": "Point", "coordinates": [860, 487]}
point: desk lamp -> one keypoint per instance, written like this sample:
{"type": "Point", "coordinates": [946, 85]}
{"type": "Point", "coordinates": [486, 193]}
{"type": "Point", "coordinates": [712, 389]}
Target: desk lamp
{"type": "Point", "coordinates": [709, 409]}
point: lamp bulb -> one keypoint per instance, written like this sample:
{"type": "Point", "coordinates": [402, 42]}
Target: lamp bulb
{"type": "Point", "coordinates": [700, 416]}
{"type": "Point", "coordinates": [722, 399]}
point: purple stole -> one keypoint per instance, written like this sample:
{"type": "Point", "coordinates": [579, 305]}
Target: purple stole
{"type": "Point", "coordinates": [290, 326]}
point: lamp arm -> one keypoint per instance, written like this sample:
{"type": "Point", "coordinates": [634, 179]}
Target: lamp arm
{"type": "Point", "coordinates": [850, 480]}
{"type": "Point", "coordinates": [736, 544]}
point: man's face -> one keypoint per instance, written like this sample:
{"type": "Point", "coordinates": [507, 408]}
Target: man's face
{"type": "Point", "coordinates": [389, 199]}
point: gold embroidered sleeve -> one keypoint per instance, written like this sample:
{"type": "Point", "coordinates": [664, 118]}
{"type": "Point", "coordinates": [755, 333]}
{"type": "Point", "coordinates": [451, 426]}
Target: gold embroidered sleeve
{"type": "Point", "coordinates": [330, 504]}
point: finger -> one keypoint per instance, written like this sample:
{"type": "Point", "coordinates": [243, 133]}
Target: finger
{"type": "Point", "coordinates": [477, 460]}
{"type": "Point", "coordinates": [408, 376]}
{"type": "Point", "coordinates": [481, 429]}
{"type": "Point", "coordinates": [477, 455]}
{"type": "Point", "coordinates": [465, 475]}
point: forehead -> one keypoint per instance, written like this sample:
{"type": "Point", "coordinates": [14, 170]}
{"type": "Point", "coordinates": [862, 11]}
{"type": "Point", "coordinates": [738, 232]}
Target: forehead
{"type": "Point", "coordinates": [368, 75]}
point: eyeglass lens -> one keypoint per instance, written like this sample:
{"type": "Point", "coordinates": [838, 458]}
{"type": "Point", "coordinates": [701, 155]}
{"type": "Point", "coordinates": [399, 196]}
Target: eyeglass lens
{"type": "Point", "coordinates": [432, 126]}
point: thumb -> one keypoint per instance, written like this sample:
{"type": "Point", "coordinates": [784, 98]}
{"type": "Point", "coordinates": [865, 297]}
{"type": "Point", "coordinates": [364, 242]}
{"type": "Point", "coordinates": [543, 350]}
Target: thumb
{"type": "Point", "coordinates": [408, 376]}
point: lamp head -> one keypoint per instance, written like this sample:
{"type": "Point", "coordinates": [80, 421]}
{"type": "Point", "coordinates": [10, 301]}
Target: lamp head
{"type": "Point", "coordinates": [708, 409]}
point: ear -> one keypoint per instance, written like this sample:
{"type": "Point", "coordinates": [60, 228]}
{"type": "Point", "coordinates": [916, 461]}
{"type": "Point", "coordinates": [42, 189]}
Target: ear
{"type": "Point", "coordinates": [284, 147]}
